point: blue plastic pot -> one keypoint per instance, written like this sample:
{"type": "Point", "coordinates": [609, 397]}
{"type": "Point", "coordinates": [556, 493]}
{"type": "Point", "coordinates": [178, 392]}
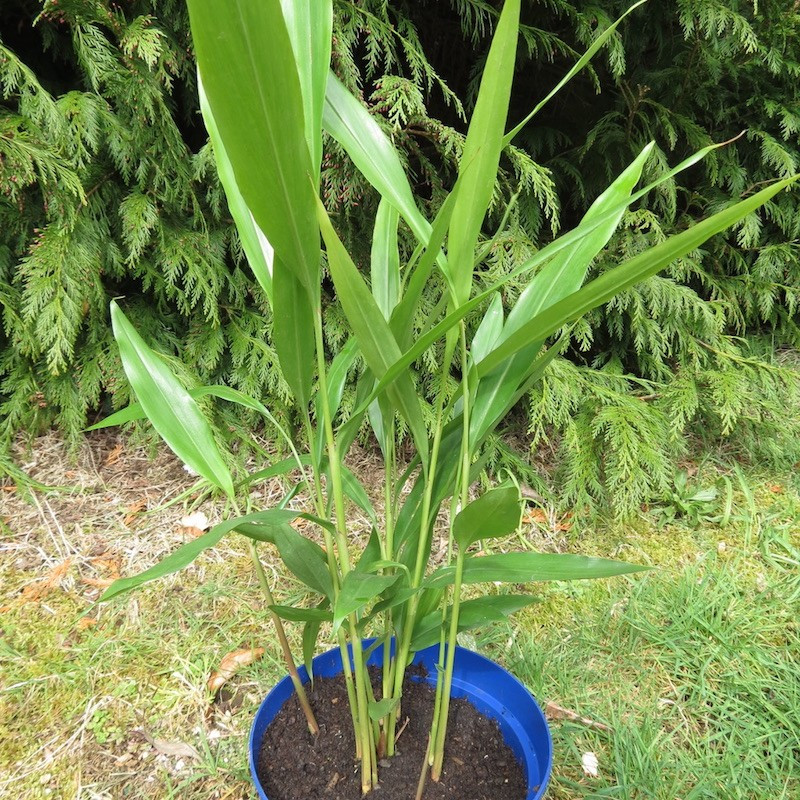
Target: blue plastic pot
{"type": "Point", "coordinates": [493, 691]}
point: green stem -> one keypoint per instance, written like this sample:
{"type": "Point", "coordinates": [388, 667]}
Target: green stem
{"type": "Point", "coordinates": [440, 724]}
{"type": "Point", "coordinates": [404, 647]}
{"type": "Point", "coordinates": [313, 727]}
{"type": "Point", "coordinates": [441, 731]}
{"type": "Point", "coordinates": [368, 760]}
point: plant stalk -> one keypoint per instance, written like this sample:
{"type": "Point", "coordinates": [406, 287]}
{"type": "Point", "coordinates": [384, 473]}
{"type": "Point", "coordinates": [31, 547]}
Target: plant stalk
{"type": "Point", "coordinates": [440, 723]}
{"type": "Point", "coordinates": [363, 731]}
{"type": "Point", "coordinates": [313, 727]}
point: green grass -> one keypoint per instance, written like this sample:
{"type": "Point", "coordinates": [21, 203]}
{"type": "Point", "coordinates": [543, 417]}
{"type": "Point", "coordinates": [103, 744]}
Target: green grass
{"type": "Point", "coordinates": [695, 666]}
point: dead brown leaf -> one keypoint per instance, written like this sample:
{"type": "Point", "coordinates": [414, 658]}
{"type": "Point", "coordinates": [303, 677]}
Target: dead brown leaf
{"type": "Point", "coordinates": [98, 583]}
{"type": "Point", "coordinates": [36, 591]}
{"type": "Point", "coordinates": [114, 455]}
{"type": "Point", "coordinates": [554, 711]}
{"type": "Point", "coordinates": [132, 512]}
{"type": "Point", "coordinates": [536, 515]}
{"type": "Point", "coordinates": [108, 561]}
{"type": "Point", "coordinates": [231, 664]}
{"type": "Point", "coordinates": [167, 748]}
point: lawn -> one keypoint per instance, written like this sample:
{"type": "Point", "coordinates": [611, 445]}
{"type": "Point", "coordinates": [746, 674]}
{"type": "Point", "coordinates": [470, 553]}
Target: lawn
{"type": "Point", "coordinates": [687, 679]}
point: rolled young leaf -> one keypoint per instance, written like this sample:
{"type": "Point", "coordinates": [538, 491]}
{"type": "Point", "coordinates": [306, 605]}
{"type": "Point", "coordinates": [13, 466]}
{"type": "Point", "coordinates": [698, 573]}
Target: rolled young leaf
{"type": "Point", "coordinates": [169, 406]}
{"type": "Point", "coordinates": [385, 259]}
{"type": "Point", "coordinates": [530, 567]}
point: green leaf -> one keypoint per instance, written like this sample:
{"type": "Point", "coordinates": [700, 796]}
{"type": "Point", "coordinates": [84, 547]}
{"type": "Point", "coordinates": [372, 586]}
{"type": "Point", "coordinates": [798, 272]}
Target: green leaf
{"type": "Point", "coordinates": [579, 65]}
{"type": "Point", "coordinates": [256, 246]}
{"type": "Point", "coordinates": [529, 567]}
{"type": "Point", "coordinates": [495, 513]}
{"type": "Point", "coordinates": [131, 413]}
{"type": "Point", "coordinates": [310, 27]}
{"type": "Point", "coordinates": [295, 614]}
{"type": "Point", "coordinates": [617, 279]}
{"type": "Point", "coordinates": [248, 69]}
{"type": "Point", "coordinates": [357, 589]}
{"type": "Point", "coordinates": [561, 276]}
{"type": "Point", "coordinates": [310, 635]}
{"type": "Point", "coordinates": [355, 491]}
{"type": "Point", "coordinates": [489, 330]}
{"type": "Point", "coordinates": [439, 330]}
{"type": "Point", "coordinates": [371, 552]}
{"type": "Point", "coordinates": [167, 404]}
{"type": "Point", "coordinates": [471, 614]}
{"type": "Point", "coordinates": [336, 380]}
{"type": "Point", "coordinates": [402, 322]}
{"type": "Point", "coordinates": [293, 334]}
{"type": "Point", "coordinates": [305, 559]}
{"type": "Point", "coordinates": [378, 709]}
{"type": "Point", "coordinates": [186, 553]}
{"type": "Point", "coordinates": [482, 150]}
{"type": "Point", "coordinates": [378, 345]}
{"type": "Point", "coordinates": [385, 259]}
{"type": "Point", "coordinates": [352, 126]}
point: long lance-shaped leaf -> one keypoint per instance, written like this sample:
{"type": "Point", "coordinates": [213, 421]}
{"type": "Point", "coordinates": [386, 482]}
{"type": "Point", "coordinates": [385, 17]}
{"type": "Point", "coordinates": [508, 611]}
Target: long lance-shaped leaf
{"type": "Point", "coordinates": [579, 65]}
{"type": "Point", "coordinates": [350, 124]}
{"type": "Point", "coordinates": [482, 150]}
{"type": "Point", "coordinates": [310, 27]}
{"type": "Point", "coordinates": [247, 64]}
{"type": "Point", "coordinates": [188, 552]}
{"type": "Point", "coordinates": [561, 276]}
{"type": "Point", "coordinates": [293, 333]}
{"type": "Point", "coordinates": [256, 246]}
{"type": "Point", "coordinates": [135, 412]}
{"type": "Point", "coordinates": [171, 409]}
{"type": "Point", "coordinates": [546, 253]}
{"type": "Point", "coordinates": [378, 345]}
{"type": "Point", "coordinates": [617, 279]}
{"type": "Point", "coordinates": [530, 567]}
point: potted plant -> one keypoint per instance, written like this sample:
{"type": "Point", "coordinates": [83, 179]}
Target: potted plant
{"type": "Point", "coordinates": [266, 95]}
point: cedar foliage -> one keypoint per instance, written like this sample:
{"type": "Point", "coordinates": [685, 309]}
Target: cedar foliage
{"type": "Point", "coordinates": [108, 189]}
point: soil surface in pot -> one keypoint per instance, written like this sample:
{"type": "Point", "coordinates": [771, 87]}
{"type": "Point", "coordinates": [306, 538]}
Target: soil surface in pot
{"type": "Point", "coordinates": [293, 765]}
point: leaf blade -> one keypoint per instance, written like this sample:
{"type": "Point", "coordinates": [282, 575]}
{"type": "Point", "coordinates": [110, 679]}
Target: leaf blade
{"type": "Point", "coordinates": [169, 406]}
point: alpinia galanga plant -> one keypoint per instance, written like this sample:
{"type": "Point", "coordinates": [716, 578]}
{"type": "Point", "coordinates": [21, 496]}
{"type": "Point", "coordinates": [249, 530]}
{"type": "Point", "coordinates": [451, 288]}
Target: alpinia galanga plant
{"type": "Point", "coordinates": [267, 94]}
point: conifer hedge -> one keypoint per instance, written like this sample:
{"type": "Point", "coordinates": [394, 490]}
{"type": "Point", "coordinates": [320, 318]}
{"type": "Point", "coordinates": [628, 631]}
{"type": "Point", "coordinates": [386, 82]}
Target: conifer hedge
{"type": "Point", "coordinates": [108, 189]}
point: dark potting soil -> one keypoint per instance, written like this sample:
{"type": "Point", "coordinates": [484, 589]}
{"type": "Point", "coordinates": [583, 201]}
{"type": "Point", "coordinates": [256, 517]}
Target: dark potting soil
{"type": "Point", "coordinates": [294, 765]}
